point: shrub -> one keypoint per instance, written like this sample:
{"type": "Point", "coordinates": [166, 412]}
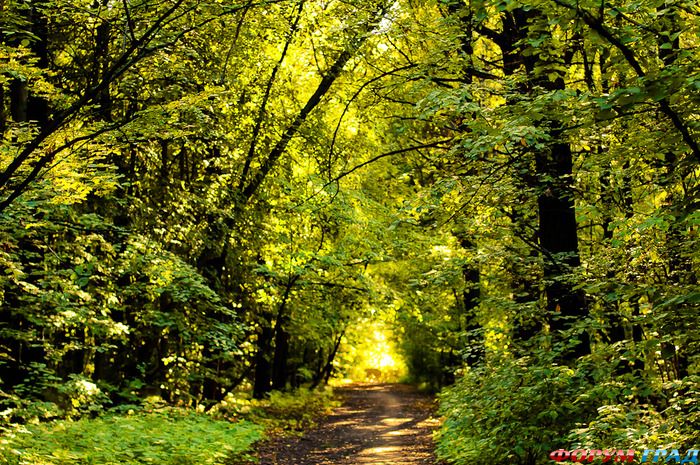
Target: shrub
{"type": "Point", "coordinates": [168, 438]}
{"type": "Point", "coordinates": [280, 411]}
{"type": "Point", "coordinates": [516, 413]}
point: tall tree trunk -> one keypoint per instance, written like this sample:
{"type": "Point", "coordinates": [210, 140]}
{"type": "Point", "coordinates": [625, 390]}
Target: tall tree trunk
{"type": "Point", "coordinates": [262, 383]}
{"type": "Point", "coordinates": [470, 302]}
{"type": "Point", "coordinates": [25, 106]}
{"type": "Point", "coordinates": [281, 358]}
{"type": "Point", "coordinates": [680, 269]}
{"type": "Point", "coordinates": [3, 113]}
{"type": "Point", "coordinates": [621, 327]}
{"type": "Point", "coordinates": [38, 107]}
{"type": "Point", "coordinates": [19, 100]}
{"type": "Point", "coordinates": [558, 238]}
{"type": "Point", "coordinates": [557, 228]}
{"type": "Point", "coordinates": [101, 64]}
{"type": "Point", "coordinates": [328, 369]}
{"type": "Point", "coordinates": [469, 323]}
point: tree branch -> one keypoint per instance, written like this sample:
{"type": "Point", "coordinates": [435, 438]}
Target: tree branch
{"type": "Point", "coordinates": [597, 25]}
{"type": "Point", "coordinates": [323, 87]}
{"type": "Point", "coordinates": [347, 107]}
{"type": "Point", "coordinates": [263, 105]}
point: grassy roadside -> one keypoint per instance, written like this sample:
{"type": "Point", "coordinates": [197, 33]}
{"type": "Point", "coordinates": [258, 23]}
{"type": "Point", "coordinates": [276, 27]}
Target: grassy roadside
{"type": "Point", "coordinates": [225, 435]}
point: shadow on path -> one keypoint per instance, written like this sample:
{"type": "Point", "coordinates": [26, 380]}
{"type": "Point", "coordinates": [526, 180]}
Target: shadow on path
{"type": "Point", "coordinates": [381, 424]}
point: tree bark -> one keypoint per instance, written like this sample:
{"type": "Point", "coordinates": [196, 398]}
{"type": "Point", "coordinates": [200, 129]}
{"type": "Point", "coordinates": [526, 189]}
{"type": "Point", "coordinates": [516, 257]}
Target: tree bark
{"type": "Point", "coordinates": [557, 227]}
{"type": "Point", "coordinates": [558, 235]}
{"type": "Point", "coordinates": [262, 383]}
{"type": "Point", "coordinates": [281, 358]}
{"type": "Point", "coordinates": [3, 113]}
{"type": "Point", "coordinates": [475, 350]}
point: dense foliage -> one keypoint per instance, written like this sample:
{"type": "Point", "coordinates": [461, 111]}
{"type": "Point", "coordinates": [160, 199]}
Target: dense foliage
{"type": "Point", "coordinates": [203, 199]}
{"type": "Point", "coordinates": [152, 438]}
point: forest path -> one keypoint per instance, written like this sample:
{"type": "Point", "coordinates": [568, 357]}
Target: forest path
{"type": "Point", "coordinates": [381, 424]}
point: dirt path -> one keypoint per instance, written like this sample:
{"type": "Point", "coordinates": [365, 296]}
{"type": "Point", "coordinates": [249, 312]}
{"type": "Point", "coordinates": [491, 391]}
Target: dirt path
{"type": "Point", "coordinates": [385, 424]}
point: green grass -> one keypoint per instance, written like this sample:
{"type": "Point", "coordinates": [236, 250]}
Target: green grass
{"type": "Point", "coordinates": [280, 412]}
{"type": "Point", "coordinates": [172, 438]}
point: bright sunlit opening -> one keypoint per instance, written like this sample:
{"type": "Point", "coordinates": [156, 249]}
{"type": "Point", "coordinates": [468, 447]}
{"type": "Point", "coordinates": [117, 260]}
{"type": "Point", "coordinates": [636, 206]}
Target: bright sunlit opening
{"type": "Point", "coordinates": [380, 353]}
{"type": "Point", "coordinates": [370, 354]}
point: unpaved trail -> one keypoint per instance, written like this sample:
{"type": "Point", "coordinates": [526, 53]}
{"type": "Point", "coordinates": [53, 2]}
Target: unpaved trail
{"type": "Point", "coordinates": [387, 424]}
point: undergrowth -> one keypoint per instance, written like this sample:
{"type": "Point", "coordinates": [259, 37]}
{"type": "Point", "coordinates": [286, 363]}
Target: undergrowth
{"type": "Point", "coordinates": [280, 412]}
{"type": "Point", "coordinates": [225, 435]}
{"type": "Point", "coordinates": [174, 437]}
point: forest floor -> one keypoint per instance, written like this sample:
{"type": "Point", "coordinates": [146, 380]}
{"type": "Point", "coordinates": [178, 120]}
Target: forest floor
{"type": "Point", "coordinates": [380, 424]}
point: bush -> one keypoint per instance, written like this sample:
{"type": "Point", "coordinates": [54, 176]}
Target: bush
{"type": "Point", "coordinates": [280, 411]}
{"type": "Point", "coordinates": [515, 413]}
{"type": "Point", "coordinates": [169, 438]}
{"type": "Point", "coordinates": [520, 410]}
{"type": "Point", "coordinates": [640, 416]}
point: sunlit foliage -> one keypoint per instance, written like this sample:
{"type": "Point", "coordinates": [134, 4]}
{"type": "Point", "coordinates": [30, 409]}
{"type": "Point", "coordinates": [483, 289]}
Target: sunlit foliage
{"type": "Point", "coordinates": [202, 201]}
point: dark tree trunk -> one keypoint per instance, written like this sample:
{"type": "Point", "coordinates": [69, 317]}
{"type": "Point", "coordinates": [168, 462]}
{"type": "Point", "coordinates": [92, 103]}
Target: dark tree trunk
{"type": "Point", "coordinates": [101, 64]}
{"type": "Point", "coordinates": [24, 106]}
{"type": "Point", "coordinates": [326, 369]}
{"type": "Point", "coordinates": [262, 383]}
{"type": "Point", "coordinates": [475, 351]}
{"type": "Point", "coordinates": [559, 241]}
{"type": "Point", "coordinates": [680, 267]}
{"type": "Point", "coordinates": [19, 101]}
{"type": "Point", "coordinates": [281, 358]}
{"type": "Point", "coordinates": [329, 364]}
{"type": "Point", "coordinates": [469, 324]}
{"type": "Point", "coordinates": [620, 327]}
{"type": "Point", "coordinates": [557, 228]}
{"type": "Point", "coordinates": [38, 107]}
{"type": "Point", "coordinates": [3, 113]}
{"type": "Point", "coordinates": [318, 375]}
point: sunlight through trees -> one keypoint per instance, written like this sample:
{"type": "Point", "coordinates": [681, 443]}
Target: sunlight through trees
{"type": "Point", "coordinates": [496, 200]}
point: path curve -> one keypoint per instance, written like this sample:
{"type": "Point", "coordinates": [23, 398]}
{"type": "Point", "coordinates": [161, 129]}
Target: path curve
{"type": "Point", "coordinates": [385, 424]}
